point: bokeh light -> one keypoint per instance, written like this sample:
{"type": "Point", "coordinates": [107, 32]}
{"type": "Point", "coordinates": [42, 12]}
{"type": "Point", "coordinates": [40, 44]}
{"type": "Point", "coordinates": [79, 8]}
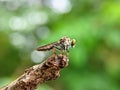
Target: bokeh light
{"type": "Point", "coordinates": [94, 63]}
{"type": "Point", "coordinates": [37, 56]}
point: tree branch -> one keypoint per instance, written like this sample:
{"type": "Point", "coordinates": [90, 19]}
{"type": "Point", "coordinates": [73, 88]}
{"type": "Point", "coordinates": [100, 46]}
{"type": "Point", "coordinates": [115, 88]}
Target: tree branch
{"type": "Point", "coordinates": [35, 75]}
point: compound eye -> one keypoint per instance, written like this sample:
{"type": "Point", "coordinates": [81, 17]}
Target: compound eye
{"type": "Point", "coordinates": [73, 42]}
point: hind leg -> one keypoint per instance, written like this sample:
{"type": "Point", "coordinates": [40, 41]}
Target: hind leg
{"type": "Point", "coordinates": [67, 53]}
{"type": "Point", "coordinates": [54, 51]}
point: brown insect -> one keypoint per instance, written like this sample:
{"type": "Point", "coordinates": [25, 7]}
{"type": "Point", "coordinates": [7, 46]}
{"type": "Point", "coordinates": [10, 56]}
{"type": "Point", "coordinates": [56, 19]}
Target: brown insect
{"type": "Point", "coordinates": [63, 45]}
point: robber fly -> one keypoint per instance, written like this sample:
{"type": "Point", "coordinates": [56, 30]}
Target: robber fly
{"type": "Point", "coordinates": [63, 45]}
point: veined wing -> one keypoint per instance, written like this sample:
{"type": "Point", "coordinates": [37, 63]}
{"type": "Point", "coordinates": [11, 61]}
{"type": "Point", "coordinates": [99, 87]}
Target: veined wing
{"type": "Point", "coordinates": [47, 47]}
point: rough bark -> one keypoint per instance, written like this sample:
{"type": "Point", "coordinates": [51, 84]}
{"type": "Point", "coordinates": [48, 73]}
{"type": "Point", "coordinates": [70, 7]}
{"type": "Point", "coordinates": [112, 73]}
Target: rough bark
{"type": "Point", "coordinates": [38, 74]}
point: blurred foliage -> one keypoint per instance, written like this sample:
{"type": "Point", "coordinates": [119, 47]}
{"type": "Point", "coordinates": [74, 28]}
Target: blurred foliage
{"type": "Point", "coordinates": [95, 24]}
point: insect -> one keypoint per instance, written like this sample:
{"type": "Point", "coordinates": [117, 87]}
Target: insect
{"type": "Point", "coordinates": [63, 45]}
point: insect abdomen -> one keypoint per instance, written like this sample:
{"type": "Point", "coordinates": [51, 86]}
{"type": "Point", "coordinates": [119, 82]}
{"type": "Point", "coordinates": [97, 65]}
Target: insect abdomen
{"type": "Point", "coordinates": [45, 48]}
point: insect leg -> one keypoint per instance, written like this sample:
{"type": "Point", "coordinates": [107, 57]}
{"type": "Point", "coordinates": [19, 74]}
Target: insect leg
{"type": "Point", "coordinates": [55, 46]}
{"type": "Point", "coordinates": [54, 51]}
{"type": "Point", "coordinates": [59, 48]}
{"type": "Point", "coordinates": [62, 52]}
{"type": "Point", "coordinates": [67, 53]}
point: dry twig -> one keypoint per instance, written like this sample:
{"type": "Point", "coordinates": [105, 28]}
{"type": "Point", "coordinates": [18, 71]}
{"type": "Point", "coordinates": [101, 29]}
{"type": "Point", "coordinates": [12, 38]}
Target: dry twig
{"type": "Point", "coordinates": [35, 75]}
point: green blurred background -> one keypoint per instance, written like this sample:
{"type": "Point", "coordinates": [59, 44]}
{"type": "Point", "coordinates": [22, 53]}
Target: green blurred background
{"type": "Point", "coordinates": [95, 24]}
